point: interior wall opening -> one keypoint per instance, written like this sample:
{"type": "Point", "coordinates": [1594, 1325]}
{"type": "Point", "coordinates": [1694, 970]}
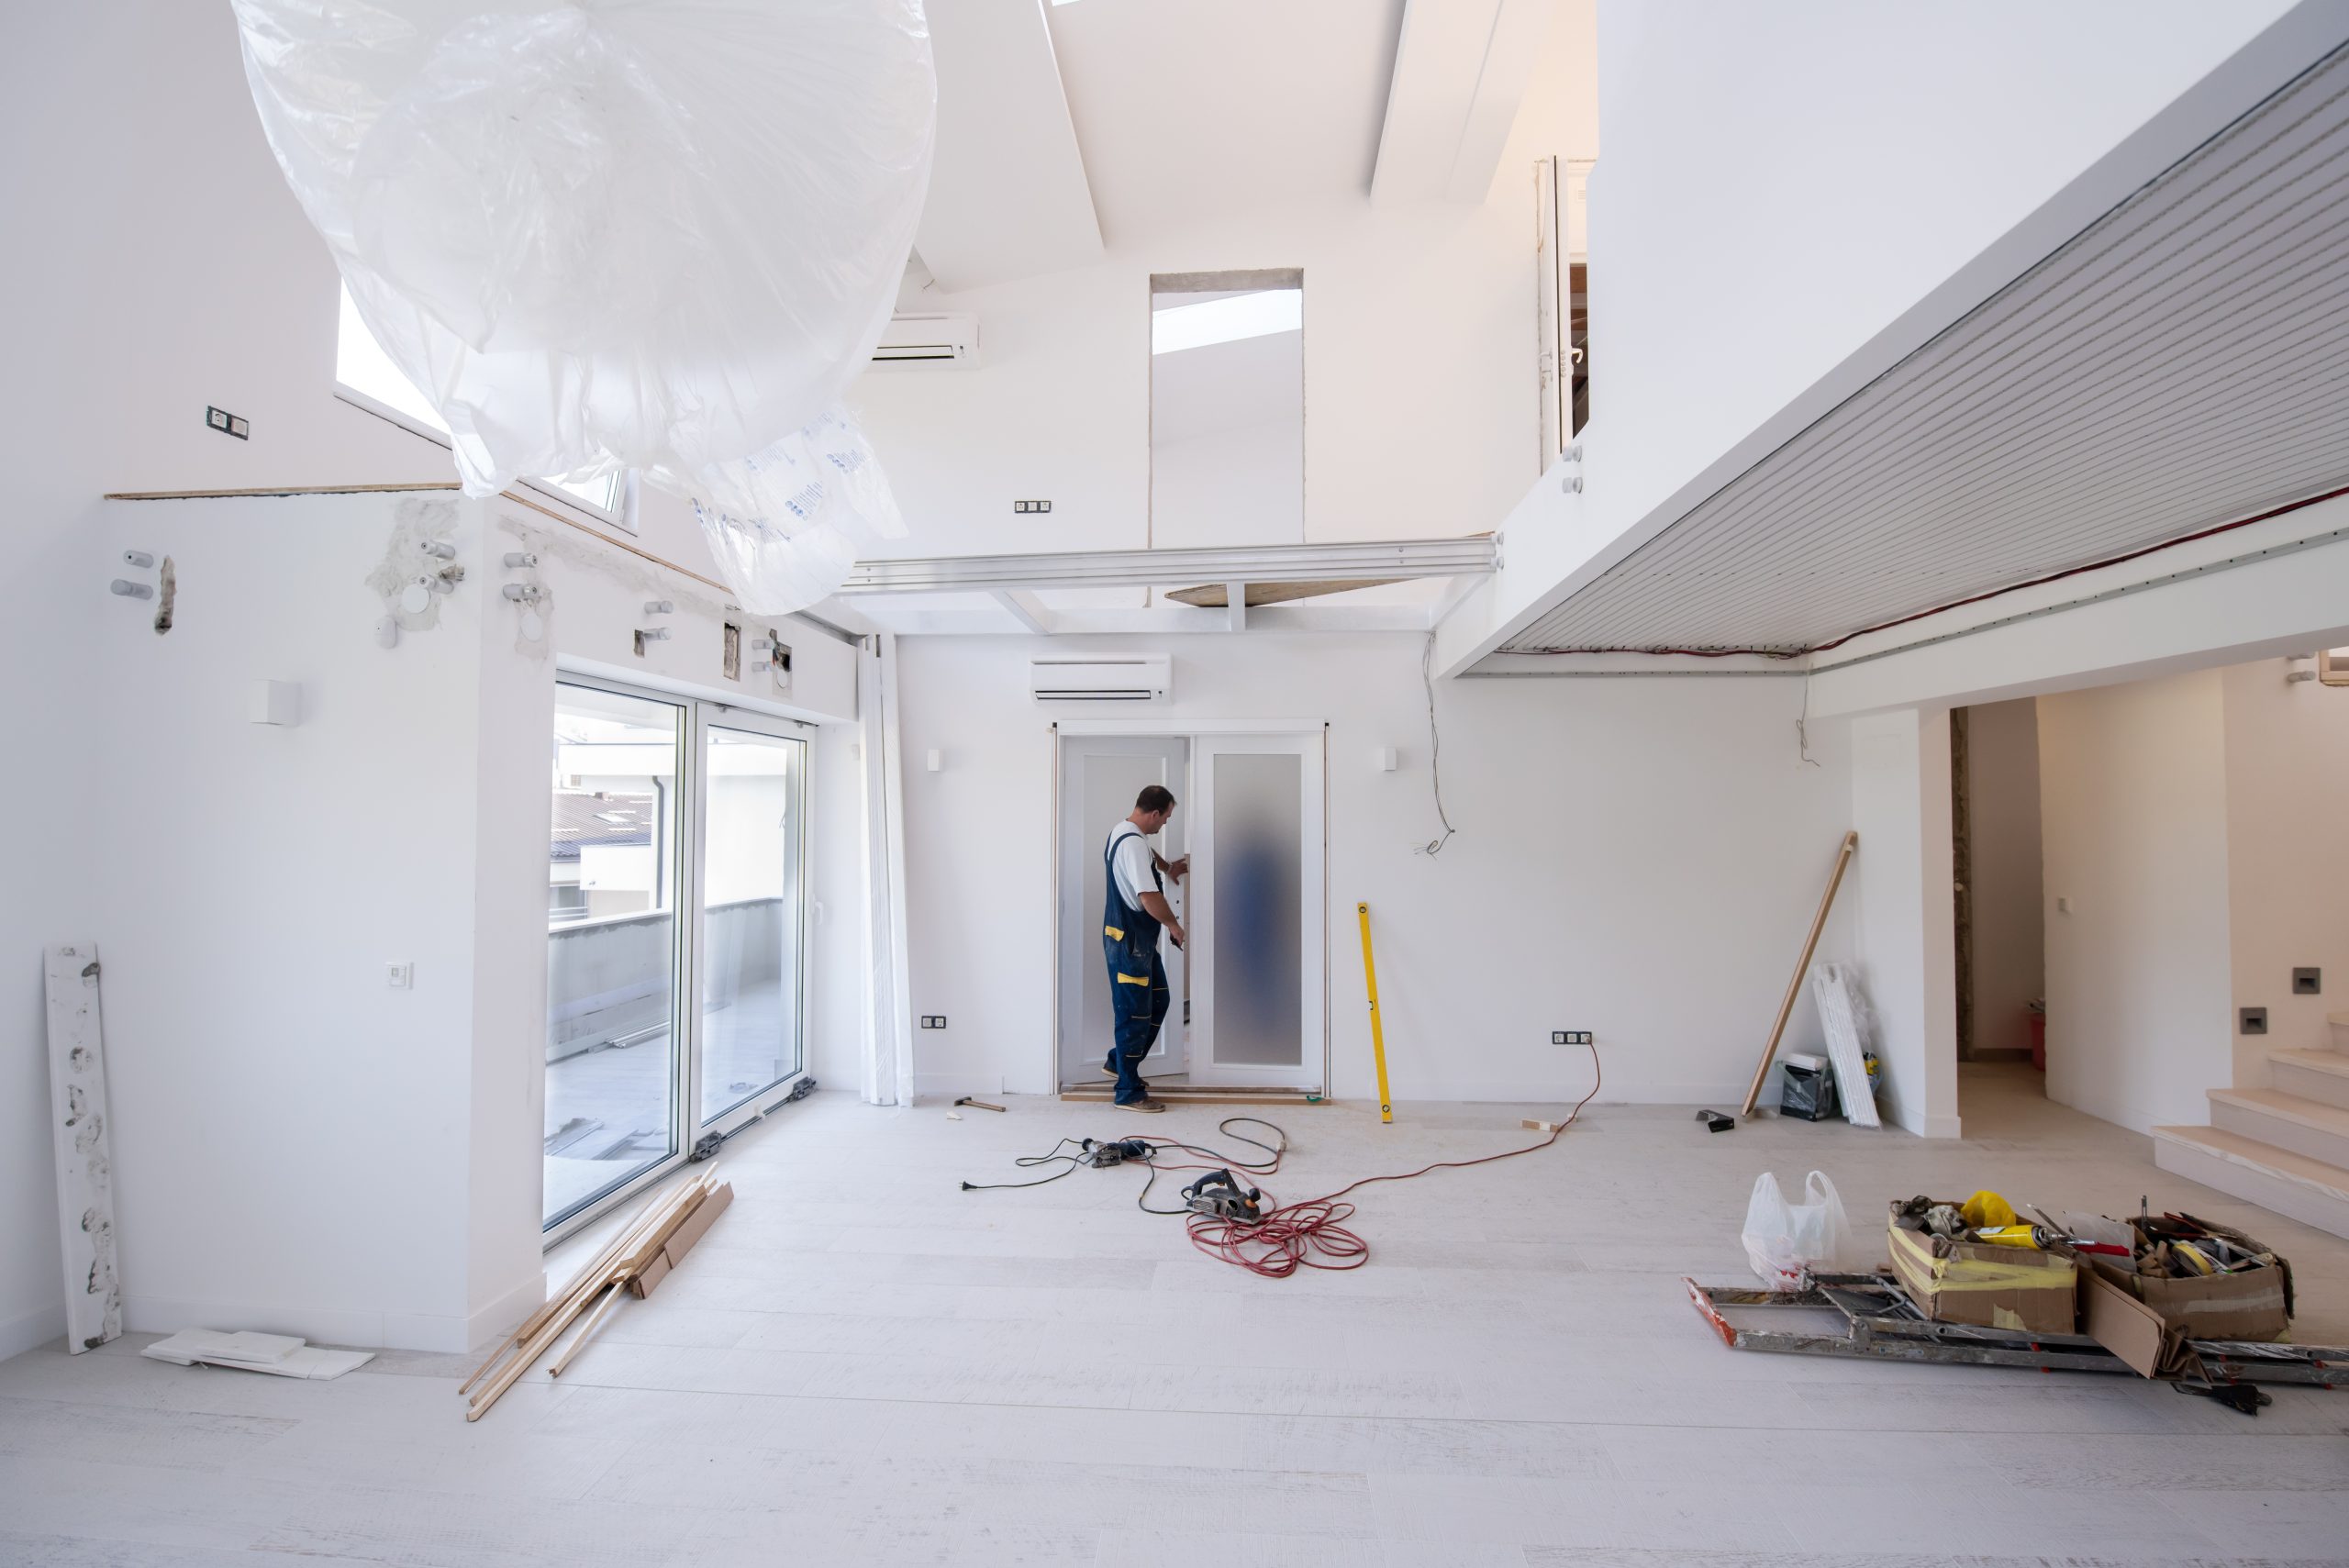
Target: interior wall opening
{"type": "Point", "coordinates": [2002, 966]}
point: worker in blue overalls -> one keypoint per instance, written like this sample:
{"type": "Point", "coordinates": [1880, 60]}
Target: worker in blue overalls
{"type": "Point", "coordinates": [1134, 908]}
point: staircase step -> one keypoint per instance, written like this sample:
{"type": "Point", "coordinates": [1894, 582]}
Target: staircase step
{"type": "Point", "coordinates": [2339, 1024]}
{"type": "Point", "coordinates": [2306, 1126]}
{"type": "Point", "coordinates": [2309, 1191]}
{"type": "Point", "coordinates": [2312, 1074]}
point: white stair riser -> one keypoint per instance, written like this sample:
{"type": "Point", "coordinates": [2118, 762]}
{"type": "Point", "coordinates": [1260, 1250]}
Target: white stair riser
{"type": "Point", "coordinates": [2326, 1088]}
{"type": "Point", "coordinates": [2288, 1198]}
{"type": "Point", "coordinates": [2340, 1035]}
{"type": "Point", "coordinates": [2330, 1147]}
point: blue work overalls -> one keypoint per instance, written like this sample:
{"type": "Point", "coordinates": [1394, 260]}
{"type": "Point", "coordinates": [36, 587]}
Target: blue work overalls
{"type": "Point", "coordinates": [1138, 994]}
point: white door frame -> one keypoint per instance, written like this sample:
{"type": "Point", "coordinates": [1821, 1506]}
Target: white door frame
{"type": "Point", "coordinates": [1191, 729]}
{"type": "Point", "coordinates": [1074, 916]}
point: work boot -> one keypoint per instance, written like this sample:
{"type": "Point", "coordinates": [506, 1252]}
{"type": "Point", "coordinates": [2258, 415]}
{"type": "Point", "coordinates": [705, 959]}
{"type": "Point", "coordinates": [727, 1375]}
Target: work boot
{"type": "Point", "coordinates": [1145, 1105]}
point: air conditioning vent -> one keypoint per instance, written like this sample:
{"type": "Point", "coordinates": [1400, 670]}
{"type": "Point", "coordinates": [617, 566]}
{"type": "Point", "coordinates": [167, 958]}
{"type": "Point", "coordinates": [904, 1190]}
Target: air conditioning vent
{"type": "Point", "coordinates": [929, 340]}
{"type": "Point", "coordinates": [1103, 678]}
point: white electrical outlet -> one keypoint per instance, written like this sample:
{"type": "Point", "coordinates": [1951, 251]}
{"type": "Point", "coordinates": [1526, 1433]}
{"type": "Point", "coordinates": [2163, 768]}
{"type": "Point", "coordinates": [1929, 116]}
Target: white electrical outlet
{"type": "Point", "coordinates": [399, 976]}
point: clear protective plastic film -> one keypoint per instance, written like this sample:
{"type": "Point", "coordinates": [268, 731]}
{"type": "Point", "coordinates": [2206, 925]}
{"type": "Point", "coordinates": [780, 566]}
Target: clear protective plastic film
{"type": "Point", "coordinates": [653, 234]}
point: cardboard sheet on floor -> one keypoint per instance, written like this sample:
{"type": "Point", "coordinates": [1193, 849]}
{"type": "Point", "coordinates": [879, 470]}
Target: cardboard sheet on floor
{"type": "Point", "coordinates": [279, 1355]}
{"type": "Point", "coordinates": [2125, 1326]}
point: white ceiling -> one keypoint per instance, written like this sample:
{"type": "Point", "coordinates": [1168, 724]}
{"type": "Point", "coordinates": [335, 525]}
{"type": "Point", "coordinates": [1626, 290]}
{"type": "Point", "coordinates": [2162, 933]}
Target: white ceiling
{"type": "Point", "coordinates": [1008, 194]}
{"type": "Point", "coordinates": [2180, 363]}
{"type": "Point", "coordinates": [1190, 110]}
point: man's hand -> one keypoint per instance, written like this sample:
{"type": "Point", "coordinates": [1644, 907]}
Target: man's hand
{"type": "Point", "coordinates": [1178, 869]}
{"type": "Point", "coordinates": [1175, 929]}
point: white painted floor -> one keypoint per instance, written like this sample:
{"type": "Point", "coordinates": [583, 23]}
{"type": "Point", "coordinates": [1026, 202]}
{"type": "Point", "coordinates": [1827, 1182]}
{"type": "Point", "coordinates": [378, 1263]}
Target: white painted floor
{"type": "Point", "coordinates": [864, 1365]}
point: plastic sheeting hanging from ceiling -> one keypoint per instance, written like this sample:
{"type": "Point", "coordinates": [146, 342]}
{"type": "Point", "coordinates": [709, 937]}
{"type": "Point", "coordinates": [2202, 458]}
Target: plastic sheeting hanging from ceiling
{"type": "Point", "coordinates": [651, 234]}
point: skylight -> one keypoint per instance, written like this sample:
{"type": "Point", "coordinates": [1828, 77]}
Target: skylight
{"type": "Point", "coordinates": [361, 366]}
{"type": "Point", "coordinates": [1226, 320]}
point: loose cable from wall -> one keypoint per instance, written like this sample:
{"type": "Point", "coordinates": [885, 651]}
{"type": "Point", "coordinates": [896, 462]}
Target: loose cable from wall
{"type": "Point", "coordinates": [1435, 750]}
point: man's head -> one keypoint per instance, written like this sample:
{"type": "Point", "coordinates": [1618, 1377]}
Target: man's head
{"type": "Point", "coordinates": [1152, 808]}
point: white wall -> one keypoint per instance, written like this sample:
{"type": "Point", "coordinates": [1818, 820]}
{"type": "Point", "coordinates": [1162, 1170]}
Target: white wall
{"type": "Point", "coordinates": [1903, 922]}
{"type": "Point", "coordinates": [1883, 147]}
{"type": "Point", "coordinates": [2133, 824]}
{"type": "Point", "coordinates": [1635, 857]}
{"type": "Point", "coordinates": [1792, 197]}
{"type": "Point", "coordinates": [172, 270]}
{"type": "Point", "coordinates": [1420, 393]}
{"type": "Point", "coordinates": [298, 1146]}
{"type": "Point", "coordinates": [2288, 855]}
{"type": "Point", "coordinates": [2009, 930]}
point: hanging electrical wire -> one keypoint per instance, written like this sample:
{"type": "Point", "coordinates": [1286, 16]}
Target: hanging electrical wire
{"type": "Point", "coordinates": [1435, 752]}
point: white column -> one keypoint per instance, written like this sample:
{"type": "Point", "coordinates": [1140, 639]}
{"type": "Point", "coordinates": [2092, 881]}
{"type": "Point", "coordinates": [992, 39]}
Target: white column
{"type": "Point", "coordinates": [1904, 918]}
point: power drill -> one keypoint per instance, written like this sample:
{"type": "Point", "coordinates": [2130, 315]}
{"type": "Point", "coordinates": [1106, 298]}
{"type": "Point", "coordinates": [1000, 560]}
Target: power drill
{"type": "Point", "coordinates": [1117, 1151]}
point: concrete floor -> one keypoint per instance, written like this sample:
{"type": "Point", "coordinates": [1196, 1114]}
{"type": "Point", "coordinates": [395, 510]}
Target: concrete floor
{"type": "Point", "coordinates": [864, 1364]}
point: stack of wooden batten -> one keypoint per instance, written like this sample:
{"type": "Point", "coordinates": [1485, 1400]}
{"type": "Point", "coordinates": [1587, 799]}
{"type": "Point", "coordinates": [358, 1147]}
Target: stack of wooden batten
{"type": "Point", "coordinates": [633, 1262]}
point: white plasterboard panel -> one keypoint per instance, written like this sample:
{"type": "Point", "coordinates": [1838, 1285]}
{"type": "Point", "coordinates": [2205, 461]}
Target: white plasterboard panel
{"type": "Point", "coordinates": [1188, 113]}
{"type": "Point", "coordinates": [77, 1077]}
{"type": "Point", "coordinates": [1008, 196]}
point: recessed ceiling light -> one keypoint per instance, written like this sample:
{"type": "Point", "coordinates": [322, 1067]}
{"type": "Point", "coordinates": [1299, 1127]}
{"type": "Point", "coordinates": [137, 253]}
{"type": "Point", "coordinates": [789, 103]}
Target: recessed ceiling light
{"type": "Point", "coordinates": [1226, 320]}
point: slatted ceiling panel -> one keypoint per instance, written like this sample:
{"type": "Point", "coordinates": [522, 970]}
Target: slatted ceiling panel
{"type": "Point", "coordinates": [2182, 363]}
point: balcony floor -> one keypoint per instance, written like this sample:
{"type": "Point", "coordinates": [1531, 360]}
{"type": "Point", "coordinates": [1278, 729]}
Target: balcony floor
{"type": "Point", "coordinates": [621, 1094]}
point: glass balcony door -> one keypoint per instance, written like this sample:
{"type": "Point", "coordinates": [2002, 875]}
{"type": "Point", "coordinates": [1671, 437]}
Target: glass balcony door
{"type": "Point", "coordinates": [660, 1030]}
{"type": "Point", "coordinates": [753, 789]}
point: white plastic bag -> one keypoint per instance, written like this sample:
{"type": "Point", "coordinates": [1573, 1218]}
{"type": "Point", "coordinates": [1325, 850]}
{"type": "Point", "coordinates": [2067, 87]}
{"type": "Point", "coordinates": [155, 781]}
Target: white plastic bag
{"type": "Point", "coordinates": [653, 234]}
{"type": "Point", "coordinates": [1786, 1241]}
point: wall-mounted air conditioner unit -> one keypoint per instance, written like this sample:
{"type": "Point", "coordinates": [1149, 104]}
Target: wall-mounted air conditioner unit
{"type": "Point", "coordinates": [1103, 677]}
{"type": "Point", "coordinates": [929, 340]}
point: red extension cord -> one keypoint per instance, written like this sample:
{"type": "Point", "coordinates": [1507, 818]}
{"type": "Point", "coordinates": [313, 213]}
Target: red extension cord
{"type": "Point", "coordinates": [1309, 1235]}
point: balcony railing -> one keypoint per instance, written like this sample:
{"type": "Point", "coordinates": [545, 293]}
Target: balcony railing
{"type": "Point", "coordinates": [607, 979]}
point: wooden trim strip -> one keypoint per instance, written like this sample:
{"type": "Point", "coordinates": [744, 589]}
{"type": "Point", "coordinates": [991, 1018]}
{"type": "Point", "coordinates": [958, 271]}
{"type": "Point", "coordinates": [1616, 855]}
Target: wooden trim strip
{"type": "Point", "coordinates": [539, 507]}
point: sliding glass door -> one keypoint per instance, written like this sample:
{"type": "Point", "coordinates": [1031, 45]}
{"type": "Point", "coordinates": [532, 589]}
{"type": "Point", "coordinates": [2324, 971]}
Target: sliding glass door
{"type": "Point", "coordinates": [753, 782]}
{"type": "Point", "coordinates": [661, 1031]}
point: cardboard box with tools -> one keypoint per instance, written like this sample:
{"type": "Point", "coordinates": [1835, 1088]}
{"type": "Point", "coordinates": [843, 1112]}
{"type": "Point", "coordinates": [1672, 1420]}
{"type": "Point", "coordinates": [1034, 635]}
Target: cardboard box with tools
{"type": "Point", "coordinates": [2246, 1293]}
{"type": "Point", "coordinates": [1967, 1282]}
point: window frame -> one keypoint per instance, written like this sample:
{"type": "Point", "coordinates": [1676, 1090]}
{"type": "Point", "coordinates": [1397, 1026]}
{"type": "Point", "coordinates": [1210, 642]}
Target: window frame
{"type": "Point", "coordinates": [689, 1127]}
{"type": "Point", "coordinates": [624, 518]}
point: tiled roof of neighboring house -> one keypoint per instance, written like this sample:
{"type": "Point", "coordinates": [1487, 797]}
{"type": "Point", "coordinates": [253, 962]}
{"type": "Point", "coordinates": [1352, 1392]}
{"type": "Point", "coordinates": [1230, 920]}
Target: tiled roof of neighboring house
{"type": "Point", "coordinates": [581, 818]}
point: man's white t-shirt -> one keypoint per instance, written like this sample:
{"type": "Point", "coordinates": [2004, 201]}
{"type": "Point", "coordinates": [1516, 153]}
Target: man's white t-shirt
{"type": "Point", "coordinates": [1130, 858]}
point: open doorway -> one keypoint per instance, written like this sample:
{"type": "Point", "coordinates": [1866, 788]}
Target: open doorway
{"type": "Point", "coordinates": [2000, 925]}
{"type": "Point", "coordinates": [1249, 1003]}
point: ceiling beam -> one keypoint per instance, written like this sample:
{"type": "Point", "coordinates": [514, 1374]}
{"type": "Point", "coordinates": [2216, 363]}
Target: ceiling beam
{"type": "Point", "coordinates": [1027, 609]}
{"type": "Point", "coordinates": [1008, 196]}
{"type": "Point", "coordinates": [1461, 71]}
{"type": "Point", "coordinates": [1393, 560]}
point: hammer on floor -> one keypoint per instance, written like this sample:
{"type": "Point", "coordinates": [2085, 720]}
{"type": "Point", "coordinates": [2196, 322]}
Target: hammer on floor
{"type": "Point", "coordinates": [978, 1104]}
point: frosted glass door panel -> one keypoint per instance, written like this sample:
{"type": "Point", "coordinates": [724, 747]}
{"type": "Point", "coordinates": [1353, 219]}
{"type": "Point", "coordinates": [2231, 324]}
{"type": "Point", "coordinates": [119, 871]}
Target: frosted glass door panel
{"type": "Point", "coordinates": [1258, 1009]}
{"type": "Point", "coordinates": [1255, 922]}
